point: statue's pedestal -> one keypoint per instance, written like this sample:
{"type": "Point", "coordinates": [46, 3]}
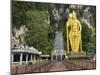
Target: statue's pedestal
{"type": "Point", "coordinates": [77, 55]}
{"type": "Point", "coordinates": [58, 55]}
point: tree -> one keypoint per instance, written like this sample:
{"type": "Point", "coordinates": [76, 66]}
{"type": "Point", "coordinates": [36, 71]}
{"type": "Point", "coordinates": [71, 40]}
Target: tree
{"type": "Point", "coordinates": [86, 37]}
{"type": "Point", "coordinates": [38, 28]}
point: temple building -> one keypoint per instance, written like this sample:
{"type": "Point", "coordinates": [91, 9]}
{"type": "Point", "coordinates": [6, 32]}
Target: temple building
{"type": "Point", "coordinates": [21, 53]}
{"type": "Point", "coordinates": [23, 56]}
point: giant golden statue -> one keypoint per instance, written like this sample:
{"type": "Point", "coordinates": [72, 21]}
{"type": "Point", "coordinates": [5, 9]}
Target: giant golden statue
{"type": "Point", "coordinates": [73, 27]}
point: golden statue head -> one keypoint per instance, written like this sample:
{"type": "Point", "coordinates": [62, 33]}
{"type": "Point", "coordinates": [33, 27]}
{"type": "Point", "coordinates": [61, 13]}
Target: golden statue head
{"type": "Point", "coordinates": [74, 15]}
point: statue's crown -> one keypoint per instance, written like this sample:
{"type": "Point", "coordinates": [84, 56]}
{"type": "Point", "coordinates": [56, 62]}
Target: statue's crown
{"type": "Point", "coordinates": [74, 13]}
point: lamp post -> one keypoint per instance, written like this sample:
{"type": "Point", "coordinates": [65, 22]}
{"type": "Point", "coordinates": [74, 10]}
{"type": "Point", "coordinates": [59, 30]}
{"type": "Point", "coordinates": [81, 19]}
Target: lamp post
{"type": "Point", "coordinates": [39, 59]}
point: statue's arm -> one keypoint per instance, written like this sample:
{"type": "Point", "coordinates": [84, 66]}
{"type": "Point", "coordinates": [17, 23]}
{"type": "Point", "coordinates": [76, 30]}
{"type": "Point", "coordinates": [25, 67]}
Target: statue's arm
{"type": "Point", "coordinates": [67, 25]}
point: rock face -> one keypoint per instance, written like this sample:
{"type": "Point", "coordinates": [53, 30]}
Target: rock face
{"type": "Point", "coordinates": [57, 19]}
{"type": "Point", "coordinates": [20, 35]}
{"type": "Point", "coordinates": [58, 16]}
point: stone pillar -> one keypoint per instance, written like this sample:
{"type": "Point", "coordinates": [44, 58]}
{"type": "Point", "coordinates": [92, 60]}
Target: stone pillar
{"type": "Point", "coordinates": [26, 58]}
{"type": "Point", "coordinates": [37, 58]}
{"type": "Point", "coordinates": [34, 61]}
{"type": "Point", "coordinates": [31, 57]}
{"type": "Point", "coordinates": [21, 58]}
{"type": "Point", "coordinates": [40, 59]}
{"type": "Point", "coordinates": [12, 57]}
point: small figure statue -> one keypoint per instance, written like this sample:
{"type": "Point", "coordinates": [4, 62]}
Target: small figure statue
{"type": "Point", "coordinates": [74, 34]}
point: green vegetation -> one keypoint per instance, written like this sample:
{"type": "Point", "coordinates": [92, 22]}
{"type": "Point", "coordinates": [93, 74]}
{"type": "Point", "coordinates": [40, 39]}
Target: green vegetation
{"type": "Point", "coordinates": [37, 34]}
{"type": "Point", "coordinates": [89, 37]}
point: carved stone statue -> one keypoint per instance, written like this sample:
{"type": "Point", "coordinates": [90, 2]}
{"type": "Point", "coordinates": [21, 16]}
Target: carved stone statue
{"type": "Point", "coordinates": [73, 27]}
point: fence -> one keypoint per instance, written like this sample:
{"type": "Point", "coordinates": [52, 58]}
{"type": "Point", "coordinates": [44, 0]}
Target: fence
{"type": "Point", "coordinates": [33, 68]}
{"type": "Point", "coordinates": [80, 64]}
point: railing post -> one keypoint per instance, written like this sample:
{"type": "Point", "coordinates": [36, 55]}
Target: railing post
{"type": "Point", "coordinates": [25, 68]}
{"type": "Point", "coordinates": [21, 57]}
{"type": "Point", "coordinates": [16, 70]}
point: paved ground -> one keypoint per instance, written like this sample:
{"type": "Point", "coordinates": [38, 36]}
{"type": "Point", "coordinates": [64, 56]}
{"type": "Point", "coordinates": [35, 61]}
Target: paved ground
{"type": "Point", "coordinates": [58, 66]}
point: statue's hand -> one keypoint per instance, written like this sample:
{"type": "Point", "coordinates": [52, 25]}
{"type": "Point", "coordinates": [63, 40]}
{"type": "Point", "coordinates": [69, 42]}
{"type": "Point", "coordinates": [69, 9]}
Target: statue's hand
{"type": "Point", "coordinates": [68, 52]}
{"type": "Point", "coordinates": [79, 31]}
